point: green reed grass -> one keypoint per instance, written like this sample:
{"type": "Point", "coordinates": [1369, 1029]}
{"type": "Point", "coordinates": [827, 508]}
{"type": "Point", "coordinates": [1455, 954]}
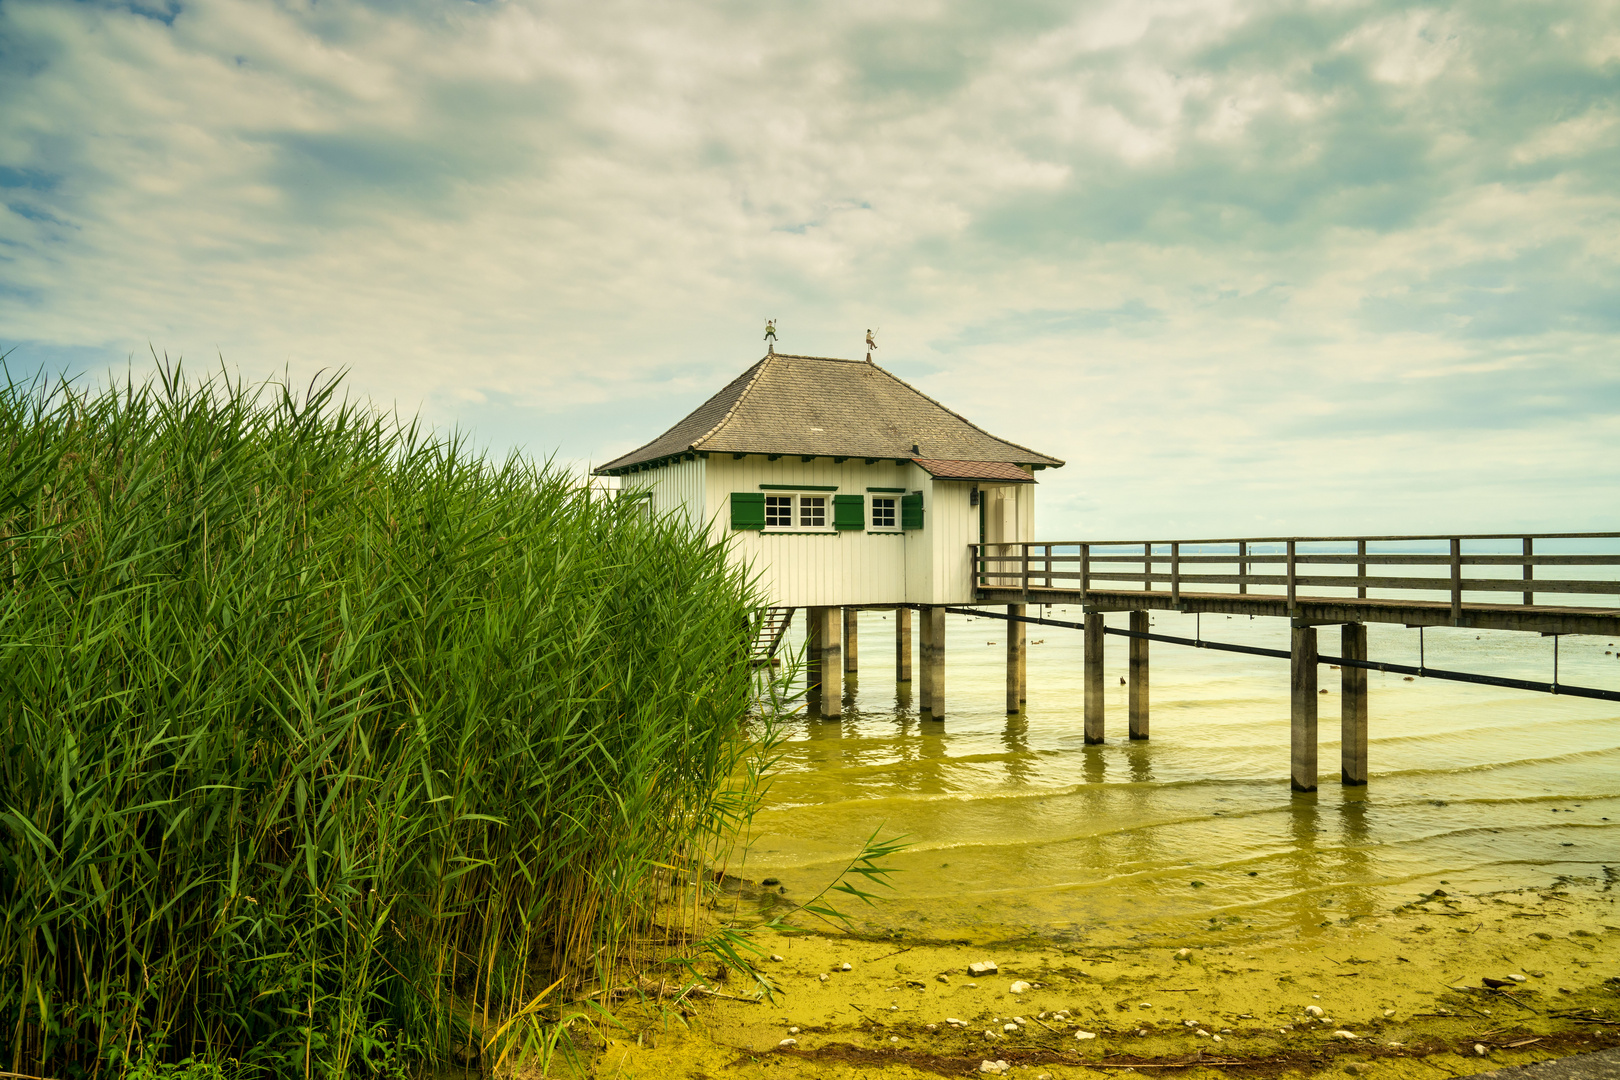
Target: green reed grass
{"type": "Point", "coordinates": [327, 740]}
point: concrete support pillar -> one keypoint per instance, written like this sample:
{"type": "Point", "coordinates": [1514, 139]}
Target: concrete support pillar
{"type": "Point", "coordinates": [932, 658]}
{"type": "Point", "coordinates": [902, 644]}
{"type": "Point", "coordinates": [1015, 660]}
{"type": "Point", "coordinates": [1302, 707]}
{"type": "Point", "coordinates": [1139, 677]}
{"type": "Point", "coordinates": [823, 664]}
{"type": "Point", "coordinates": [1094, 677]}
{"type": "Point", "coordinates": [925, 648]}
{"type": "Point", "coordinates": [852, 632]}
{"type": "Point", "coordinates": [1353, 701]}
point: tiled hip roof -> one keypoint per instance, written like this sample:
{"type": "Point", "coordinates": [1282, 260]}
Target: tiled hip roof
{"type": "Point", "coordinates": [825, 407]}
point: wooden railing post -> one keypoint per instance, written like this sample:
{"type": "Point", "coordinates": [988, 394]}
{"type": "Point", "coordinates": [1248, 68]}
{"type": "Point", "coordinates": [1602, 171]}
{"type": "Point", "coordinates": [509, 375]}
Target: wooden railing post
{"type": "Point", "coordinates": [1085, 569]}
{"type": "Point", "coordinates": [1023, 550]}
{"type": "Point", "coordinates": [1175, 572]}
{"type": "Point", "coordinates": [1361, 568]}
{"type": "Point", "coordinates": [1291, 577]}
{"type": "Point", "coordinates": [1243, 565]}
{"type": "Point", "coordinates": [1529, 569]}
{"type": "Point", "coordinates": [1147, 566]}
{"type": "Point", "coordinates": [1456, 582]}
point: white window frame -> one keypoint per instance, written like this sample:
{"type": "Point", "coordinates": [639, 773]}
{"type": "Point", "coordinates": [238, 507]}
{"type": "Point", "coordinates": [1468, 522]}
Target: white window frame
{"type": "Point", "coordinates": [780, 500]}
{"type": "Point", "coordinates": [872, 509]}
{"type": "Point", "coordinates": [640, 502]}
{"type": "Point", "coordinates": [797, 505]}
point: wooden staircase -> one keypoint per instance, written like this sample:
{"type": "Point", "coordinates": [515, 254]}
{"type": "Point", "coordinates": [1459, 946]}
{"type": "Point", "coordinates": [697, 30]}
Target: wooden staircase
{"type": "Point", "coordinates": [773, 626]}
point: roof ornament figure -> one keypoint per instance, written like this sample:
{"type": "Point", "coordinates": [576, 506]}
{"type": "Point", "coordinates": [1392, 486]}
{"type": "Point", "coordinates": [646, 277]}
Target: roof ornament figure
{"type": "Point", "coordinates": [870, 345]}
{"type": "Point", "coordinates": [770, 336]}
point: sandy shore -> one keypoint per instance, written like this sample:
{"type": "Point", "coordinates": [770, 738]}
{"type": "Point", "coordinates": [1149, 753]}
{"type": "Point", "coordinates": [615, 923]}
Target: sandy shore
{"type": "Point", "coordinates": [1405, 989]}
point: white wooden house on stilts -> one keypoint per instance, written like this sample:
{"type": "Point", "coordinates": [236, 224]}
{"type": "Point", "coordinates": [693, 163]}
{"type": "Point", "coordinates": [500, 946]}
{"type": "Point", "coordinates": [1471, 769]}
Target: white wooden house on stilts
{"type": "Point", "coordinates": [843, 487]}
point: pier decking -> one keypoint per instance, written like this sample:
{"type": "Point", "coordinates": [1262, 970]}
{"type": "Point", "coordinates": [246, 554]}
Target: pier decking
{"type": "Point", "coordinates": [1478, 581]}
{"type": "Point", "coordinates": [1486, 582]}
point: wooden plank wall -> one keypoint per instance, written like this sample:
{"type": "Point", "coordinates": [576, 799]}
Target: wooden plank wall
{"type": "Point", "coordinates": [927, 566]}
{"type": "Point", "coordinates": [827, 570]}
{"type": "Point", "coordinates": [677, 487]}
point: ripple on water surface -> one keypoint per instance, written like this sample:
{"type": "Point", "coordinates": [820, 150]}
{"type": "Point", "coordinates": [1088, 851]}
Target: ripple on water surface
{"type": "Point", "coordinates": [1019, 827]}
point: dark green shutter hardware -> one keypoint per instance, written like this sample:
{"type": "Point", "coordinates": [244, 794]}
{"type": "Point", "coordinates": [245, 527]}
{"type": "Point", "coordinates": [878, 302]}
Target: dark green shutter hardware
{"type": "Point", "coordinates": [849, 512]}
{"type": "Point", "coordinates": [747, 510]}
{"type": "Point", "coordinates": [911, 511]}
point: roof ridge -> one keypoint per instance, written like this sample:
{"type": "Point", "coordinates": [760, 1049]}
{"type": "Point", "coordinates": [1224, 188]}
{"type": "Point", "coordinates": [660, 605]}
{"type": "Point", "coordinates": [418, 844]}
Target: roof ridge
{"type": "Point", "coordinates": [759, 369]}
{"type": "Point", "coordinates": [758, 365]}
{"type": "Point", "coordinates": [830, 359]}
{"type": "Point", "coordinates": [958, 415]}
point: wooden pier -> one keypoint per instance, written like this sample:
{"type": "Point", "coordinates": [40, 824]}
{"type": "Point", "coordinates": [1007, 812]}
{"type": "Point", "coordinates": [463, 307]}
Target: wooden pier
{"type": "Point", "coordinates": [1478, 581]}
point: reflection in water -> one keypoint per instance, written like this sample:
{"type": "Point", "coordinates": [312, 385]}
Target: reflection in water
{"type": "Point", "coordinates": [1094, 764]}
{"type": "Point", "coordinates": [1139, 756]}
{"type": "Point", "coordinates": [1355, 858]}
{"type": "Point", "coordinates": [1017, 824]}
{"type": "Point", "coordinates": [1015, 741]}
{"type": "Point", "coordinates": [1301, 858]}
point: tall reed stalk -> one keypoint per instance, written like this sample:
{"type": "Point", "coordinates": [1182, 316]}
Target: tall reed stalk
{"type": "Point", "coordinates": [328, 740]}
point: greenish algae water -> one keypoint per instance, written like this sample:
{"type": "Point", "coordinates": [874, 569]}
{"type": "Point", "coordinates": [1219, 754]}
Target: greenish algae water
{"type": "Point", "coordinates": [1020, 830]}
{"type": "Point", "coordinates": [1171, 908]}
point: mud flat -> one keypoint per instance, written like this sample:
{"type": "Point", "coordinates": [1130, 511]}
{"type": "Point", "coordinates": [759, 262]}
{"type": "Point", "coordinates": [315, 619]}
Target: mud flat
{"type": "Point", "coordinates": [1401, 994]}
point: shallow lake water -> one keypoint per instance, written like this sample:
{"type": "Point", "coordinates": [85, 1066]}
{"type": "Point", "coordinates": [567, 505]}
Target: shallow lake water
{"type": "Point", "coordinates": [1019, 830]}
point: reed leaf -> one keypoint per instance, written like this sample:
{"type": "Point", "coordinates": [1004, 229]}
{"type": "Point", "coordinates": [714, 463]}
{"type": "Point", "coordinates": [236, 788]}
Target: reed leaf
{"type": "Point", "coordinates": [331, 743]}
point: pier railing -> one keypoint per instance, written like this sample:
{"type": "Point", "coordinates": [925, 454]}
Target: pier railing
{"type": "Point", "coordinates": [1499, 569]}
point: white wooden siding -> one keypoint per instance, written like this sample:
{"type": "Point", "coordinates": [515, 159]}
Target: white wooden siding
{"type": "Point", "coordinates": [953, 524]}
{"type": "Point", "coordinates": [930, 565]}
{"type": "Point", "coordinates": [845, 567]}
{"type": "Point", "coordinates": [677, 487]}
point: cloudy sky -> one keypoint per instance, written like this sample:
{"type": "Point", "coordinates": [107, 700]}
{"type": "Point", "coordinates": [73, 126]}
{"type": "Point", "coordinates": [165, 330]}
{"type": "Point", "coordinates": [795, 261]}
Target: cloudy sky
{"type": "Point", "coordinates": [1248, 266]}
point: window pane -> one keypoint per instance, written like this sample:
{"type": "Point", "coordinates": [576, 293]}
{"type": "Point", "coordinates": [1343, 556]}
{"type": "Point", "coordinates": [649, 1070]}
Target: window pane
{"type": "Point", "coordinates": [779, 511]}
{"type": "Point", "coordinates": [882, 513]}
{"type": "Point", "coordinates": [812, 512]}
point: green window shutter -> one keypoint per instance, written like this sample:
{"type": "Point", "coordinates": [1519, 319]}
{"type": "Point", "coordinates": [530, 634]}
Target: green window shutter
{"type": "Point", "coordinates": [849, 511]}
{"type": "Point", "coordinates": [911, 511]}
{"type": "Point", "coordinates": [747, 509]}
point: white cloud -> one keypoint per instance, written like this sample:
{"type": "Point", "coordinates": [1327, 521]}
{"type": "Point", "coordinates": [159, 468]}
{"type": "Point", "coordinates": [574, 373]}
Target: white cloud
{"type": "Point", "coordinates": [1203, 250]}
